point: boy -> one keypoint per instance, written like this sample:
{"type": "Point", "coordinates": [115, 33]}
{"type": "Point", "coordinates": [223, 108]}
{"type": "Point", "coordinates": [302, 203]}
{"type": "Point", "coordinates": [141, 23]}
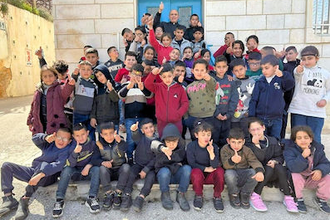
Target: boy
{"type": "Point", "coordinates": [179, 72]}
{"type": "Point", "coordinates": [85, 91]}
{"type": "Point", "coordinates": [198, 43]}
{"type": "Point", "coordinates": [110, 157]}
{"type": "Point", "coordinates": [194, 23]}
{"type": "Point", "coordinates": [114, 63]}
{"type": "Point", "coordinates": [179, 42]}
{"type": "Point", "coordinates": [122, 74]}
{"type": "Point", "coordinates": [254, 71]}
{"type": "Point", "coordinates": [171, 99]}
{"type": "Point", "coordinates": [226, 101]}
{"type": "Point", "coordinates": [240, 178]}
{"type": "Point", "coordinates": [79, 162]}
{"type": "Point", "coordinates": [174, 57]}
{"type": "Point", "coordinates": [170, 167]}
{"type": "Point", "coordinates": [269, 50]}
{"type": "Point", "coordinates": [128, 37]}
{"type": "Point", "coordinates": [92, 56]}
{"type": "Point", "coordinates": [267, 101]}
{"type": "Point", "coordinates": [44, 171]}
{"type": "Point", "coordinates": [229, 39]}
{"type": "Point", "coordinates": [86, 47]}
{"type": "Point", "coordinates": [245, 87]}
{"type": "Point", "coordinates": [135, 94]}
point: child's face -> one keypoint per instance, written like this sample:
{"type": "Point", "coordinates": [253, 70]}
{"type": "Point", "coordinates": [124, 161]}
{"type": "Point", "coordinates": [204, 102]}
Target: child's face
{"type": "Point", "coordinates": [62, 139]}
{"type": "Point", "coordinates": [167, 78]}
{"type": "Point", "coordinates": [236, 144]}
{"type": "Point", "coordinates": [188, 53]}
{"type": "Point", "coordinates": [251, 44]}
{"type": "Point", "coordinates": [178, 34]}
{"type": "Point", "coordinates": [113, 53]}
{"type": "Point", "coordinates": [254, 65]}
{"type": "Point", "coordinates": [135, 76]}
{"type": "Point", "coordinates": [148, 130]}
{"type": "Point", "coordinates": [194, 21]}
{"type": "Point", "coordinates": [159, 32]}
{"type": "Point", "coordinates": [129, 62]}
{"type": "Point", "coordinates": [179, 71]}
{"type": "Point", "coordinates": [237, 50]}
{"type": "Point", "coordinates": [309, 61]}
{"type": "Point", "coordinates": [291, 55]}
{"type": "Point", "coordinates": [207, 57]}
{"type": "Point", "coordinates": [303, 140]}
{"type": "Point", "coordinates": [81, 136]}
{"type": "Point", "coordinates": [128, 36]}
{"type": "Point", "coordinates": [229, 38]}
{"type": "Point", "coordinates": [203, 137]}
{"type": "Point", "coordinates": [62, 76]}
{"type": "Point", "coordinates": [140, 34]}
{"type": "Point", "coordinates": [239, 71]}
{"type": "Point", "coordinates": [147, 69]}
{"type": "Point", "coordinates": [257, 129]}
{"type": "Point", "coordinates": [92, 58]}
{"type": "Point", "coordinates": [268, 70]}
{"type": "Point", "coordinates": [149, 54]}
{"type": "Point", "coordinates": [108, 135]}
{"type": "Point", "coordinates": [221, 68]}
{"type": "Point", "coordinates": [101, 77]}
{"type": "Point", "coordinates": [166, 41]}
{"type": "Point", "coordinates": [199, 71]}
{"type": "Point", "coordinates": [171, 144]}
{"type": "Point", "coordinates": [174, 55]}
{"type": "Point", "coordinates": [198, 35]}
{"type": "Point", "coordinates": [85, 71]}
{"type": "Point", "coordinates": [48, 77]}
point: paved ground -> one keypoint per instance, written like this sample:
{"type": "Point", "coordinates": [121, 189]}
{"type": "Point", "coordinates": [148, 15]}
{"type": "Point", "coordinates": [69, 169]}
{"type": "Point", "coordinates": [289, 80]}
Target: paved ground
{"type": "Point", "coordinates": [16, 146]}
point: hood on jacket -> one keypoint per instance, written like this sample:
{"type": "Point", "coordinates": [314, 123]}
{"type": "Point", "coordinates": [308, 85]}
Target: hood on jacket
{"type": "Point", "coordinates": [103, 69]}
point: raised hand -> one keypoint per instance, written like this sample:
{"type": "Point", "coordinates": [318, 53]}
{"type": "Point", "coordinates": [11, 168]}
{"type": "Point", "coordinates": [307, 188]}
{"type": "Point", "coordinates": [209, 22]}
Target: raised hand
{"type": "Point", "coordinates": [135, 126]}
{"type": "Point", "coordinates": [161, 7]}
{"type": "Point", "coordinates": [236, 158]}
{"type": "Point", "coordinates": [71, 81]}
{"type": "Point", "coordinates": [93, 122]}
{"type": "Point", "coordinates": [39, 53]}
{"type": "Point", "coordinates": [78, 148]}
{"type": "Point", "coordinates": [117, 137]}
{"type": "Point", "coordinates": [278, 72]}
{"type": "Point", "coordinates": [156, 70]}
{"type": "Point", "coordinates": [76, 71]}
{"type": "Point", "coordinates": [168, 152]}
{"type": "Point", "coordinates": [300, 68]}
{"type": "Point", "coordinates": [306, 152]}
{"type": "Point", "coordinates": [50, 138]}
{"type": "Point", "coordinates": [140, 84]}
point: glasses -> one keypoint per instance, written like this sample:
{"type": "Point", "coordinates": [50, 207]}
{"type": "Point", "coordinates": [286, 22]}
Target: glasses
{"type": "Point", "coordinates": [256, 129]}
{"type": "Point", "coordinates": [254, 64]}
{"type": "Point", "coordinates": [62, 139]}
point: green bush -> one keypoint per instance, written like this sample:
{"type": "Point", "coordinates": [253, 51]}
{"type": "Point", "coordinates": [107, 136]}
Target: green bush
{"type": "Point", "coordinates": [4, 8]}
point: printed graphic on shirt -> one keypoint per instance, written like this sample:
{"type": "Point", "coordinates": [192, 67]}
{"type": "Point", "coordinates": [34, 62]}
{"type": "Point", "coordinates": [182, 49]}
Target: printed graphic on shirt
{"type": "Point", "coordinates": [222, 92]}
{"type": "Point", "coordinates": [244, 96]}
{"type": "Point", "coordinates": [85, 91]}
{"type": "Point", "coordinates": [196, 87]}
{"type": "Point", "coordinates": [277, 86]}
{"type": "Point", "coordinates": [313, 84]}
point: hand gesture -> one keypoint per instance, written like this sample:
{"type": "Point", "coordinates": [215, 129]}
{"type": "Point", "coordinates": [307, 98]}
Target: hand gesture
{"type": "Point", "coordinates": [30, 127]}
{"type": "Point", "coordinates": [168, 152]}
{"type": "Point", "coordinates": [123, 80]}
{"type": "Point", "coordinates": [249, 88]}
{"type": "Point", "coordinates": [125, 42]}
{"type": "Point", "coordinates": [306, 152]}
{"type": "Point", "coordinates": [131, 83]}
{"type": "Point", "coordinates": [117, 137]}
{"type": "Point", "coordinates": [207, 77]}
{"type": "Point", "coordinates": [78, 148]}
{"type": "Point", "coordinates": [164, 60]}
{"type": "Point", "coordinates": [150, 22]}
{"type": "Point", "coordinates": [199, 24]}
{"type": "Point", "coordinates": [144, 19]}
{"type": "Point", "coordinates": [50, 138]}
{"type": "Point", "coordinates": [316, 175]}
{"type": "Point", "coordinates": [256, 139]}
{"type": "Point", "coordinates": [107, 164]}
{"type": "Point", "coordinates": [35, 180]}
{"type": "Point", "coordinates": [99, 145]}
{"type": "Point", "coordinates": [161, 7]}
{"type": "Point", "coordinates": [140, 84]}
{"type": "Point", "coordinates": [71, 81]}
{"type": "Point", "coordinates": [209, 169]}
{"type": "Point", "coordinates": [39, 53]}
{"type": "Point", "coordinates": [93, 122]}
{"type": "Point", "coordinates": [180, 78]}
{"type": "Point", "coordinates": [76, 71]}
{"type": "Point", "coordinates": [259, 177]}
{"type": "Point", "coordinates": [156, 70]}
{"type": "Point", "coordinates": [278, 72]}
{"type": "Point", "coordinates": [230, 78]}
{"type": "Point", "coordinates": [142, 174]}
{"type": "Point", "coordinates": [198, 54]}
{"type": "Point", "coordinates": [210, 147]}
{"type": "Point", "coordinates": [322, 103]}
{"type": "Point", "coordinates": [109, 85]}
{"type": "Point", "coordinates": [135, 126]}
{"type": "Point", "coordinates": [300, 68]}
{"type": "Point", "coordinates": [229, 49]}
{"type": "Point", "coordinates": [236, 158]}
{"type": "Point", "coordinates": [271, 163]}
{"type": "Point", "coordinates": [86, 169]}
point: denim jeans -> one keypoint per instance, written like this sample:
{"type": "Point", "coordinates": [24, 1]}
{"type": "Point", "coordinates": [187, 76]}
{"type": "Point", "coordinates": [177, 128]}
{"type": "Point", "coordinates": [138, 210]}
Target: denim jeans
{"type": "Point", "coordinates": [131, 145]}
{"type": "Point", "coordinates": [79, 118]}
{"type": "Point", "coordinates": [67, 172]}
{"type": "Point", "coordinates": [240, 180]}
{"type": "Point", "coordinates": [121, 106]}
{"type": "Point", "coordinates": [181, 177]}
{"type": "Point", "coordinates": [273, 127]}
{"type": "Point", "coordinates": [315, 123]}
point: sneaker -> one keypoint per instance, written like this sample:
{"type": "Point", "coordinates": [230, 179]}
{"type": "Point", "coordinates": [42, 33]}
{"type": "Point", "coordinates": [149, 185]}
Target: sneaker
{"type": "Point", "coordinates": [301, 206]}
{"type": "Point", "coordinates": [138, 203]}
{"type": "Point", "coordinates": [322, 204]}
{"type": "Point", "coordinates": [9, 203]}
{"type": "Point", "coordinates": [245, 200]}
{"type": "Point", "coordinates": [126, 202]}
{"type": "Point", "coordinates": [198, 202]}
{"type": "Point", "coordinates": [23, 209]}
{"type": "Point", "coordinates": [257, 203]}
{"type": "Point", "coordinates": [108, 200]}
{"type": "Point", "coordinates": [130, 161]}
{"type": "Point", "coordinates": [290, 205]}
{"type": "Point", "coordinates": [58, 208]}
{"type": "Point", "coordinates": [234, 200]}
{"type": "Point", "coordinates": [181, 199]}
{"type": "Point", "coordinates": [166, 201]}
{"type": "Point", "coordinates": [93, 205]}
{"type": "Point", "coordinates": [116, 200]}
{"type": "Point", "coordinates": [218, 205]}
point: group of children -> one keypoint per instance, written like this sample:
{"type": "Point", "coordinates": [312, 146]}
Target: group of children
{"type": "Point", "coordinates": [236, 112]}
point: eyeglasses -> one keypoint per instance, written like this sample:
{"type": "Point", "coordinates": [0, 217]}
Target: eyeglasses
{"type": "Point", "coordinates": [256, 129]}
{"type": "Point", "coordinates": [254, 64]}
{"type": "Point", "coordinates": [62, 139]}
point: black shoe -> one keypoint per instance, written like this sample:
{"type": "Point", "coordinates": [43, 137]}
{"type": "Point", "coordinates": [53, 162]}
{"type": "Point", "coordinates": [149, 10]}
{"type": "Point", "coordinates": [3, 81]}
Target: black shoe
{"type": "Point", "coordinates": [9, 203]}
{"type": "Point", "coordinates": [116, 201]}
{"type": "Point", "coordinates": [181, 199]}
{"type": "Point", "coordinates": [166, 201]}
{"type": "Point", "coordinates": [126, 202]}
{"type": "Point", "coordinates": [322, 204]}
{"type": "Point", "coordinates": [234, 200]}
{"type": "Point", "coordinates": [198, 202]}
{"type": "Point", "coordinates": [218, 205]}
{"type": "Point", "coordinates": [138, 203]}
{"type": "Point", "coordinates": [108, 200]}
{"type": "Point", "coordinates": [58, 208]}
{"type": "Point", "coordinates": [23, 209]}
{"type": "Point", "coordinates": [301, 206]}
{"type": "Point", "coordinates": [130, 161]}
{"type": "Point", "coordinates": [93, 205]}
{"type": "Point", "coordinates": [245, 200]}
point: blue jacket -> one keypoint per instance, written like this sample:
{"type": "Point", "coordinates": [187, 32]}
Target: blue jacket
{"type": "Point", "coordinates": [296, 163]}
{"type": "Point", "coordinates": [84, 157]}
{"type": "Point", "coordinates": [267, 100]}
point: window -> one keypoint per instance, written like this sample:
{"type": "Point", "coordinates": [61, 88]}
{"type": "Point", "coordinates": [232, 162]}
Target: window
{"type": "Point", "coordinates": [321, 17]}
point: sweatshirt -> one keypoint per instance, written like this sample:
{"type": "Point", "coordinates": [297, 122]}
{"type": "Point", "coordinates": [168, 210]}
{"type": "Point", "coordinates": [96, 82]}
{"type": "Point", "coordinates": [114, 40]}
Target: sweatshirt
{"type": "Point", "coordinates": [185, 43]}
{"type": "Point", "coordinates": [114, 66]}
{"type": "Point", "coordinates": [160, 49]}
{"type": "Point", "coordinates": [84, 157]}
{"type": "Point", "coordinates": [85, 90]}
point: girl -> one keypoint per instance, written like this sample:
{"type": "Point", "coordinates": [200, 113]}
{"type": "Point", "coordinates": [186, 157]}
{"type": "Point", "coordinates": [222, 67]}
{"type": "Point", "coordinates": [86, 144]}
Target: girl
{"type": "Point", "coordinates": [47, 108]}
{"type": "Point", "coordinates": [139, 43]}
{"type": "Point", "coordinates": [150, 54]}
{"type": "Point", "coordinates": [252, 43]}
{"type": "Point", "coordinates": [311, 94]}
{"type": "Point", "coordinates": [203, 157]}
{"type": "Point", "coordinates": [206, 55]}
{"type": "Point", "coordinates": [159, 31]}
{"type": "Point", "coordinates": [309, 167]}
{"type": "Point", "coordinates": [269, 153]}
{"type": "Point", "coordinates": [188, 57]}
{"type": "Point", "coordinates": [237, 51]}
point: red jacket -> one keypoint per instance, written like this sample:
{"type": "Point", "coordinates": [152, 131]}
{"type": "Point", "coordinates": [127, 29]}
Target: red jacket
{"type": "Point", "coordinates": [246, 56]}
{"type": "Point", "coordinates": [160, 49]}
{"type": "Point", "coordinates": [171, 101]}
{"type": "Point", "coordinates": [122, 73]}
{"type": "Point", "coordinates": [220, 51]}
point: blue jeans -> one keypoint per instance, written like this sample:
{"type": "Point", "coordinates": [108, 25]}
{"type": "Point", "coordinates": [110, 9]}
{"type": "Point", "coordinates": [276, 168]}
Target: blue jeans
{"type": "Point", "coordinates": [315, 123]}
{"type": "Point", "coordinates": [84, 119]}
{"type": "Point", "coordinates": [121, 106]}
{"type": "Point", "coordinates": [67, 172]}
{"type": "Point", "coordinates": [181, 177]}
{"type": "Point", "coordinates": [240, 180]}
{"type": "Point", "coordinates": [273, 127]}
{"type": "Point", "coordinates": [131, 145]}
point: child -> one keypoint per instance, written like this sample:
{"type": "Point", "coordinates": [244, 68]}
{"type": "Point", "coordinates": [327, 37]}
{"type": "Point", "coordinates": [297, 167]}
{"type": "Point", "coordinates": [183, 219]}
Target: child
{"type": "Point", "coordinates": [122, 74]}
{"type": "Point", "coordinates": [85, 91]}
{"type": "Point", "coordinates": [128, 37]}
{"type": "Point", "coordinates": [174, 56]}
{"type": "Point", "coordinates": [269, 50]}
{"type": "Point", "coordinates": [139, 43]}
{"type": "Point", "coordinates": [170, 167]}
{"type": "Point", "coordinates": [110, 157]}
{"type": "Point", "coordinates": [194, 24]}
{"type": "Point", "coordinates": [86, 47]}
{"type": "Point", "coordinates": [309, 167]}
{"type": "Point", "coordinates": [229, 38]}
{"type": "Point", "coordinates": [253, 64]}
{"type": "Point", "coordinates": [92, 56]}
{"type": "Point", "coordinates": [79, 162]}
{"type": "Point", "coordinates": [170, 98]}
{"type": "Point", "coordinates": [179, 42]}
{"type": "Point", "coordinates": [236, 52]}
{"type": "Point", "coordinates": [269, 152]}
{"type": "Point", "coordinates": [150, 54]}
{"type": "Point", "coordinates": [240, 178]}
{"type": "Point", "coordinates": [188, 57]}
{"type": "Point", "coordinates": [198, 43]}
{"type": "Point", "coordinates": [114, 63]}
{"type": "Point", "coordinates": [203, 157]}
{"type": "Point", "coordinates": [245, 87]}
{"type": "Point", "coordinates": [252, 43]}
{"type": "Point", "coordinates": [47, 108]}
{"type": "Point", "coordinates": [45, 170]}
{"type": "Point", "coordinates": [180, 75]}
{"type": "Point", "coordinates": [311, 94]}
{"type": "Point", "coordinates": [206, 55]}
{"type": "Point", "coordinates": [226, 101]}
{"type": "Point", "coordinates": [135, 93]}
{"type": "Point", "coordinates": [267, 101]}
{"type": "Point", "coordinates": [159, 31]}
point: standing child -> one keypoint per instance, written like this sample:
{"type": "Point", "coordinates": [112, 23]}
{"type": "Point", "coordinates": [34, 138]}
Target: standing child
{"type": "Point", "coordinates": [309, 167]}
{"type": "Point", "coordinates": [253, 64]}
{"type": "Point", "coordinates": [92, 56]}
{"type": "Point", "coordinates": [122, 74]}
{"type": "Point", "coordinates": [198, 43]}
{"type": "Point", "coordinates": [179, 42]}
{"type": "Point", "coordinates": [114, 63]}
{"type": "Point", "coordinates": [237, 51]}
{"type": "Point", "coordinates": [252, 43]}
{"type": "Point", "coordinates": [229, 39]}
{"type": "Point", "coordinates": [180, 75]}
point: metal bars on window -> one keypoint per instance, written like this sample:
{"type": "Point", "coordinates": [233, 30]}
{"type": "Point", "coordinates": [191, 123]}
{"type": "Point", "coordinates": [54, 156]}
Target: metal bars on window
{"type": "Point", "coordinates": [321, 17]}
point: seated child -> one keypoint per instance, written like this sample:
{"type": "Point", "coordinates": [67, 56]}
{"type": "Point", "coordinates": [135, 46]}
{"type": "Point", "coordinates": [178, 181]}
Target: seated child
{"type": "Point", "coordinates": [203, 157]}
{"type": "Point", "coordinates": [198, 43]}
{"type": "Point", "coordinates": [269, 152]}
{"type": "Point", "coordinates": [79, 162]}
{"type": "Point", "coordinates": [45, 170]}
{"type": "Point", "coordinates": [240, 178]}
{"type": "Point", "coordinates": [170, 167]}
{"type": "Point", "coordinates": [114, 63]}
{"type": "Point", "coordinates": [253, 64]}
{"type": "Point", "coordinates": [309, 167]}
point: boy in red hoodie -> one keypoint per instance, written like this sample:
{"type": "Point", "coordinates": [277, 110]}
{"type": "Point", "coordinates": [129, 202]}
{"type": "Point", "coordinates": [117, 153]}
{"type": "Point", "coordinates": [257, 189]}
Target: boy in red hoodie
{"type": "Point", "coordinates": [170, 98]}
